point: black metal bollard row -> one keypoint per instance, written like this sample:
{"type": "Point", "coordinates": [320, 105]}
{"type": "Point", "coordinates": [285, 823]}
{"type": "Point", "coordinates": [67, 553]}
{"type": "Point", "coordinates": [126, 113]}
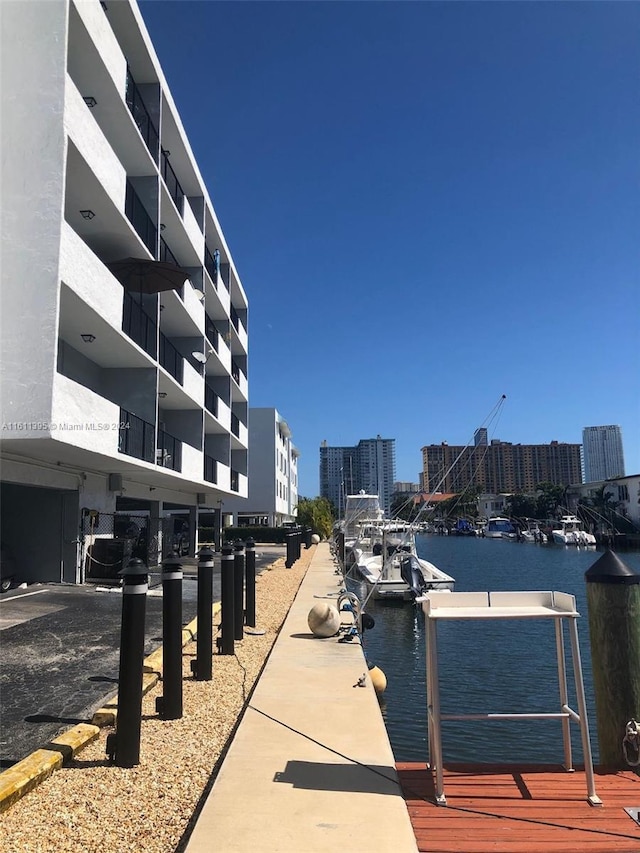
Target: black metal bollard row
{"type": "Point", "coordinates": [226, 642]}
{"type": "Point", "coordinates": [291, 549]}
{"type": "Point", "coordinates": [123, 746]}
{"type": "Point", "coordinates": [238, 591]}
{"type": "Point", "coordinates": [169, 705]}
{"type": "Point", "coordinates": [202, 666]}
{"type": "Point", "coordinates": [250, 583]}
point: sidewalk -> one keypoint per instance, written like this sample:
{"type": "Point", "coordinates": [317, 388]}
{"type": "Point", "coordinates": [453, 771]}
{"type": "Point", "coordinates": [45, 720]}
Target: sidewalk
{"type": "Point", "coordinates": [310, 766]}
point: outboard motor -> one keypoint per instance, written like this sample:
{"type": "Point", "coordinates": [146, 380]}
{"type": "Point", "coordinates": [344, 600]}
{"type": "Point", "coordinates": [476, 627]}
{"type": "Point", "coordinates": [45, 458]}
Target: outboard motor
{"type": "Point", "coordinates": [411, 574]}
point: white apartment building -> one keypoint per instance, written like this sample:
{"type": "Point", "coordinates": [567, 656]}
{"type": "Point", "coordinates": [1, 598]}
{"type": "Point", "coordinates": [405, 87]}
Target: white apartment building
{"type": "Point", "coordinates": [113, 400]}
{"type": "Point", "coordinates": [273, 479]}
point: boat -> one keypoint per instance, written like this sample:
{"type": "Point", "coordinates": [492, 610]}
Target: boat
{"type": "Point", "coordinates": [394, 570]}
{"type": "Point", "coordinates": [496, 526]}
{"type": "Point", "coordinates": [532, 532]}
{"type": "Point", "coordinates": [363, 517]}
{"type": "Point", "coordinates": [570, 531]}
{"type": "Point", "coordinates": [463, 527]}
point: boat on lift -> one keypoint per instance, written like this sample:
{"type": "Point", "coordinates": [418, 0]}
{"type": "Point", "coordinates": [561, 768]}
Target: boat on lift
{"type": "Point", "coordinates": [498, 527]}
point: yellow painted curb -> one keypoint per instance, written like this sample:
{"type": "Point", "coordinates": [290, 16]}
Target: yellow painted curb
{"type": "Point", "coordinates": [27, 774]}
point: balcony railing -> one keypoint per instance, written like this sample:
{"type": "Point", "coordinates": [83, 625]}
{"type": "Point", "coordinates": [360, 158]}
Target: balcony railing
{"type": "Point", "coordinates": [225, 270]}
{"type": "Point", "coordinates": [169, 451]}
{"type": "Point", "coordinates": [171, 359]}
{"type": "Point", "coordinates": [210, 469]}
{"type": "Point", "coordinates": [138, 325]}
{"type": "Point", "coordinates": [211, 400]}
{"type": "Point", "coordinates": [235, 425]}
{"type": "Point", "coordinates": [137, 215]}
{"type": "Point", "coordinates": [235, 371]}
{"type": "Point", "coordinates": [141, 116]}
{"type": "Point", "coordinates": [211, 333]}
{"type": "Point", "coordinates": [212, 264]}
{"type": "Point", "coordinates": [136, 437]}
{"type": "Point", "coordinates": [166, 254]}
{"type": "Point", "coordinates": [173, 185]}
{"type": "Point", "coordinates": [235, 481]}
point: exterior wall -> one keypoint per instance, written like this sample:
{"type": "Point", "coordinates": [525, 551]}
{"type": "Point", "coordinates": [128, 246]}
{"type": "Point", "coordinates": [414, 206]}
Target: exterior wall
{"type": "Point", "coordinates": [273, 471]}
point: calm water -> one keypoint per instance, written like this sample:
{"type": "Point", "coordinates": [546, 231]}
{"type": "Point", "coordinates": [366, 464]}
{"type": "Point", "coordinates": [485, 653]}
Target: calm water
{"type": "Point", "coordinates": [485, 666]}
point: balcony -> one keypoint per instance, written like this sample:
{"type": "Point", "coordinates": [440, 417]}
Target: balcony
{"type": "Point", "coordinates": [211, 400]}
{"type": "Point", "coordinates": [166, 255]}
{"type": "Point", "coordinates": [171, 359]}
{"type": "Point", "coordinates": [210, 469]}
{"type": "Point", "coordinates": [138, 325]}
{"type": "Point", "coordinates": [173, 185]}
{"type": "Point", "coordinates": [169, 451]}
{"type": "Point", "coordinates": [211, 333]}
{"type": "Point", "coordinates": [235, 481]}
{"type": "Point", "coordinates": [235, 425]}
{"type": "Point", "coordinates": [141, 117]}
{"type": "Point", "coordinates": [137, 215]}
{"type": "Point", "coordinates": [212, 264]}
{"type": "Point", "coordinates": [136, 437]}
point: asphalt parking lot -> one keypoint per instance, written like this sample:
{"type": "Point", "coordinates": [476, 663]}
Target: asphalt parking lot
{"type": "Point", "coordinates": [60, 647]}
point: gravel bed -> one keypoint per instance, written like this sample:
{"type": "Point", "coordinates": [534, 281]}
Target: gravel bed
{"type": "Point", "coordinates": [91, 805]}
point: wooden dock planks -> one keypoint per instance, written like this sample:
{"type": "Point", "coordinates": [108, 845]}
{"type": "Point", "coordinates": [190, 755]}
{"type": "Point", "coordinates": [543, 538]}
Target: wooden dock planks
{"type": "Point", "coordinates": [520, 809]}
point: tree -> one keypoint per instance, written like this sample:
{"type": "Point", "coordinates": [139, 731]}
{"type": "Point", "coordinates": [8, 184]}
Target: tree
{"type": "Point", "coordinates": [522, 506]}
{"type": "Point", "coordinates": [549, 498]}
{"type": "Point", "coordinates": [316, 513]}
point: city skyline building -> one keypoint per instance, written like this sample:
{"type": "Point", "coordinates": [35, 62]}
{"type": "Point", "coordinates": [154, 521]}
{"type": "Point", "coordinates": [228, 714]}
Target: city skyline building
{"type": "Point", "coordinates": [370, 466]}
{"type": "Point", "coordinates": [603, 453]}
{"type": "Point", "coordinates": [499, 466]}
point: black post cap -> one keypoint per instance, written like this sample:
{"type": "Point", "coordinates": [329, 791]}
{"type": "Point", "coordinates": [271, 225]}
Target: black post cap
{"type": "Point", "coordinates": [134, 568]}
{"type": "Point", "coordinates": [250, 543]}
{"type": "Point", "coordinates": [239, 545]}
{"type": "Point", "coordinates": [172, 563]}
{"type": "Point", "coordinates": [609, 568]}
{"type": "Point", "coordinates": [205, 554]}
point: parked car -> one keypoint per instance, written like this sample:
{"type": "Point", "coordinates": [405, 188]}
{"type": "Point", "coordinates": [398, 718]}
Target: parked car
{"type": "Point", "coordinates": [7, 567]}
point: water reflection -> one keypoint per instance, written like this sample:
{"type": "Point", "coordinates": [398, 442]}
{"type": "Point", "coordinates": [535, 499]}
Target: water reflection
{"type": "Point", "coordinates": [485, 666]}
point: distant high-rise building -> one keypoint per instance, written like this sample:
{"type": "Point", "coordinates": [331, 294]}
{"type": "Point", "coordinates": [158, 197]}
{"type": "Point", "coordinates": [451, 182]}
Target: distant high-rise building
{"type": "Point", "coordinates": [602, 453]}
{"type": "Point", "coordinates": [499, 466]}
{"type": "Point", "coordinates": [369, 466]}
{"type": "Point", "coordinates": [480, 437]}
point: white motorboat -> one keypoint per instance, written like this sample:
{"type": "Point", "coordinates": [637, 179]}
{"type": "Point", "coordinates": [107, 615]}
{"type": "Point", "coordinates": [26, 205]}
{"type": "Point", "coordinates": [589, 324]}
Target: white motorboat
{"type": "Point", "coordinates": [394, 569]}
{"type": "Point", "coordinates": [570, 531]}
{"type": "Point", "coordinates": [497, 526]}
{"type": "Point", "coordinates": [532, 532]}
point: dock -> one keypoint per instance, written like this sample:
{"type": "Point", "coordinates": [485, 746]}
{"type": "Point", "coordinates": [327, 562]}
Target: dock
{"type": "Point", "coordinates": [310, 767]}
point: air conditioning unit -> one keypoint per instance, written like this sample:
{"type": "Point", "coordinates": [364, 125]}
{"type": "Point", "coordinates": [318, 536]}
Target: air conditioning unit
{"type": "Point", "coordinates": [115, 482]}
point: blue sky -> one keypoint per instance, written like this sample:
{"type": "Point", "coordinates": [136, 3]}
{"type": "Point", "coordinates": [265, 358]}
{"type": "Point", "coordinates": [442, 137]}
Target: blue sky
{"type": "Point", "coordinates": [429, 204]}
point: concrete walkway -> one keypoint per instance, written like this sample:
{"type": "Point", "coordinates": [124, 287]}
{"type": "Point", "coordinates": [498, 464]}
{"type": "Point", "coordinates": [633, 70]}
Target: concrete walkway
{"type": "Point", "coordinates": [310, 767]}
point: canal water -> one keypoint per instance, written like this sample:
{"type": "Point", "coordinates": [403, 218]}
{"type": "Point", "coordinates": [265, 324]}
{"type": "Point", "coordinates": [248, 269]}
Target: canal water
{"type": "Point", "coordinates": [485, 666]}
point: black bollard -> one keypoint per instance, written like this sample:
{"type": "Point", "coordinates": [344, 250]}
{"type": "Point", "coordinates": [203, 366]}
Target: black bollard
{"type": "Point", "coordinates": [250, 583]}
{"type": "Point", "coordinates": [169, 705]}
{"type": "Point", "coordinates": [238, 591]}
{"type": "Point", "coordinates": [308, 532]}
{"type": "Point", "coordinates": [290, 560]}
{"type": "Point", "coordinates": [613, 599]}
{"type": "Point", "coordinates": [298, 542]}
{"type": "Point", "coordinates": [202, 666]}
{"type": "Point", "coordinates": [226, 594]}
{"type": "Point", "coordinates": [123, 746]}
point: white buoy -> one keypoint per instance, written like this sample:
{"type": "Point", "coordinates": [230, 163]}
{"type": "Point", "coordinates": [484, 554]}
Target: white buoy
{"type": "Point", "coordinates": [324, 619]}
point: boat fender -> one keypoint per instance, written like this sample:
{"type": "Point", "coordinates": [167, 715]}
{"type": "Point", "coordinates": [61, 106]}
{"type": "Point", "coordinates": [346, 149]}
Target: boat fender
{"type": "Point", "coordinates": [367, 621]}
{"type": "Point", "coordinates": [631, 744]}
{"type": "Point", "coordinates": [378, 678]}
{"type": "Point", "coordinates": [323, 620]}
